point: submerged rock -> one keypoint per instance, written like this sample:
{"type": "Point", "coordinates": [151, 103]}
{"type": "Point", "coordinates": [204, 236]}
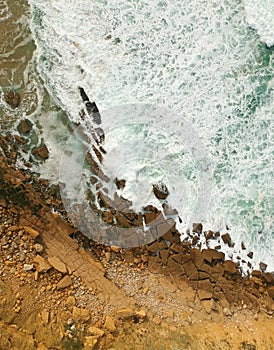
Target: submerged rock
{"type": "Point", "coordinates": [12, 98]}
{"type": "Point", "coordinates": [42, 152]}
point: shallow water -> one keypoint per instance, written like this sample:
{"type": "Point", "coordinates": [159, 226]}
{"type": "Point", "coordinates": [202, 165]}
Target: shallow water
{"type": "Point", "coordinates": [205, 70]}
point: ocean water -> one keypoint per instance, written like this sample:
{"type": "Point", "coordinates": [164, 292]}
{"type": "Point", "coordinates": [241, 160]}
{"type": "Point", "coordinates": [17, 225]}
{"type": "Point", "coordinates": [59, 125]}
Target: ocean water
{"type": "Point", "coordinates": [186, 90]}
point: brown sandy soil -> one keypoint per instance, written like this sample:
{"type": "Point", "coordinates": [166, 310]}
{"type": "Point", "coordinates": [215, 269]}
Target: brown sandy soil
{"type": "Point", "coordinates": [58, 290]}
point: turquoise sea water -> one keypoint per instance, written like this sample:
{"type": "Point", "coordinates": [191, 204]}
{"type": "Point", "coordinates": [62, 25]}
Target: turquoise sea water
{"type": "Point", "coordinates": [207, 69]}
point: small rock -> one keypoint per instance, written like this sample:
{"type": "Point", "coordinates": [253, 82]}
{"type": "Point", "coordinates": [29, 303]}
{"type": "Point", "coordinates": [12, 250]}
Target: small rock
{"type": "Point", "coordinates": [70, 302]}
{"type": "Point", "coordinates": [42, 264]}
{"type": "Point", "coordinates": [95, 331]}
{"type": "Point", "coordinates": [141, 314]}
{"type": "Point", "coordinates": [24, 126]}
{"type": "Point", "coordinates": [80, 314]}
{"type": "Point", "coordinates": [250, 255]}
{"type": "Point", "coordinates": [57, 264]}
{"type": "Point", "coordinates": [229, 266]}
{"type": "Point", "coordinates": [38, 247]}
{"type": "Point", "coordinates": [91, 342]}
{"type": "Point", "coordinates": [227, 239]}
{"type": "Point", "coordinates": [263, 266]}
{"type": "Point", "coordinates": [120, 183]}
{"type": "Point", "coordinates": [64, 282]}
{"type": "Point", "coordinates": [28, 267]}
{"type": "Point", "coordinates": [125, 313]}
{"type": "Point", "coordinates": [197, 228]}
{"type": "Point", "coordinates": [160, 190]}
{"type": "Point", "coordinates": [109, 324]}
{"type": "Point", "coordinates": [12, 98]}
{"type": "Point", "coordinates": [42, 152]}
{"type": "Point", "coordinates": [227, 312]}
{"type": "Point", "coordinates": [32, 232]}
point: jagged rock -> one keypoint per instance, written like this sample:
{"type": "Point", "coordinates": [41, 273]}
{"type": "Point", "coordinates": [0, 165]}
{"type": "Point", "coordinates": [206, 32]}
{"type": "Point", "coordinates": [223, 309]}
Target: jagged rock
{"type": "Point", "coordinates": [28, 267]}
{"type": "Point", "coordinates": [229, 266]}
{"type": "Point", "coordinates": [43, 265]}
{"type": "Point", "coordinates": [263, 266]}
{"type": "Point", "coordinates": [250, 255]}
{"type": "Point", "coordinates": [196, 257]}
{"type": "Point", "coordinates": [64, 282]}
{"type": "Point", "coordinates": [227, 239]}
{"type": "Point", "coordinates": [42, 152]}
{"type": "Point", "coordinates": [31, 231]}
{"type": "Point", "coordinates": [12, 98]}
{"type": "Point", "coordinates": [24, 126]}
{"type": "Point", "coordinates": [57, 264]}
{"type": "Point", "coordinates": [197, 228]}
{"type": "Point", "coordinates": [80, 314]}
{"type": "Point", "coordinates": [161, 191]}
{"type": "Point", "coordinates": [120, 183]}
{"type": "Point", "coordinates": [218, 255]}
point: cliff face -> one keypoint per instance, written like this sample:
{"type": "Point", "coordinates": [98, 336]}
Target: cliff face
{"type": "Point", "coordinates": [57, 295]}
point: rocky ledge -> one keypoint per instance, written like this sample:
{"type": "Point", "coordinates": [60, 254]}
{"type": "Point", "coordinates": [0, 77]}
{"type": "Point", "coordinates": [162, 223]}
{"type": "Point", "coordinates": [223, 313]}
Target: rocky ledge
{"type": "Point", "coordinates": [91, 296]}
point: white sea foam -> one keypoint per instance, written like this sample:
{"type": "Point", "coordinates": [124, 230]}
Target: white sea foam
{"type": "Point", "coordinates": [260, 16]}
{"type": "Point", "coordinates": [200, 60]}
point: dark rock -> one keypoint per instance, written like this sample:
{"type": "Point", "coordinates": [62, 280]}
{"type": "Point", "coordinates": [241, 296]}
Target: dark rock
{"type": "Point", "coordinates": [24, 126]}
{"type": "Point", "coordinates": [120, 183]}
{"type": "Point", "coordinates": [227, 239]}
{"type": "Point", "coordinates": [250, 255]}
{"type": "Point", "coordinates": [209, 234]}
{"type": "Point", "coordinates": [42, 152]}
{"type": "Point", "coordinates": [263, 266]}
{"type": "Point", "coordinates": [161, 191]}
{"type": "Point", "coordinates": [12, 98]}
{"type": "Point", "coordinates": [243, 246]}
{"type": "Point", "coordinates": [197, 228]}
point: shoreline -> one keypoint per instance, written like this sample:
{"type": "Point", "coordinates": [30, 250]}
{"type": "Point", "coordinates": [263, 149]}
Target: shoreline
{"type": "Point", "coordinates": [174, 293]}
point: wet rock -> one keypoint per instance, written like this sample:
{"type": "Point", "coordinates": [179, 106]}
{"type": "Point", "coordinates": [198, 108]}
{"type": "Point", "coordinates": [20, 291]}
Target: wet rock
{"type": "Point", "coordinates": [120, 183]}
{"type": "Point", "coordinates": [38, 247]}
{"type": "Point", "coordinates": [161, 191]}
{"type": "Point", "coordinates": [24, 126]}
{"type": "Point", "coordinates": [227, 239]}
{"type": "Point", "coordinates": [263, 266]}
{"type": "Point", "coordinates": [250, 255]}
{"type": "Point", "coordinates": [197, 228]}
{"type": "Point", "coordinates": [42, 152]}
{"type": "Point", "coordinates": [12, 98]}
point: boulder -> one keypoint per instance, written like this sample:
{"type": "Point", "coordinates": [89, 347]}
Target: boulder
{"type": "Point", "coordinates": [229, 266]}
{"type": "Point", "coordinates": [196, 257]}
{"type": "Point", "coordinates": [120, 183]}
{"type": "Point", "coordinates": [197, 228]}
{"type": "Point", "coordinates": [42, 152]}
{"type": "Point", "coordinates": [12, 98]}
{"type": "Point", "coordinates": [227, 239]}
{"type": "Point", "coordinates": [24, 126]}
{"type": "Point", "coordinates": [57, 264]}
{"type": "Point", "coordinates": [161, 191]}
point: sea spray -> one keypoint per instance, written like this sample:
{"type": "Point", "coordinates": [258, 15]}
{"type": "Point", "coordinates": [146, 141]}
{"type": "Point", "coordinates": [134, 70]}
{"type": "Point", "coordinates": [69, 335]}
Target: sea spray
{"type": "Point", "coordinates": [203, 63]}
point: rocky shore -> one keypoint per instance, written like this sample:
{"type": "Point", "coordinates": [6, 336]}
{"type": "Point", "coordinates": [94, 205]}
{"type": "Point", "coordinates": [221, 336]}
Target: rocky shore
{"type": "Point", "coordinates": [61, 290]}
